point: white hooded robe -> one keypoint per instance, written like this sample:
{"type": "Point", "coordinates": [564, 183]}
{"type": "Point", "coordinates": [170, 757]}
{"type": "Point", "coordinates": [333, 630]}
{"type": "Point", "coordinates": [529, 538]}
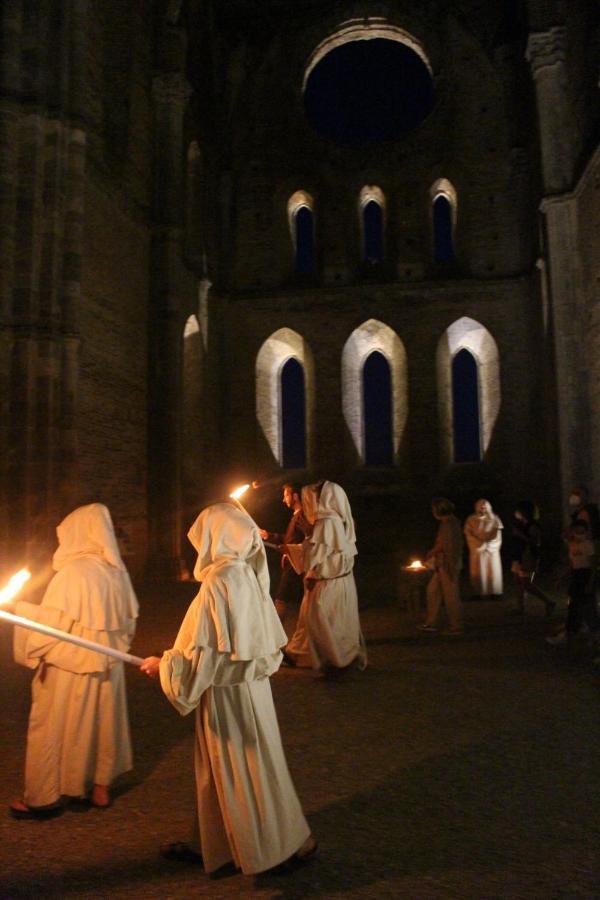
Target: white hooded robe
{"type": "Point", "coordinates": [78, 732]}
{"type": "Point", "coordinates": [328, 631]}
{"type": "Point", "coordinates": [484, 540]}
{"type": "Point", "coordinates": [227, 647]}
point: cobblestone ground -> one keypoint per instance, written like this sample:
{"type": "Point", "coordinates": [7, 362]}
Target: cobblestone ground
{"type": "Point", "coordinates": [451, 768]}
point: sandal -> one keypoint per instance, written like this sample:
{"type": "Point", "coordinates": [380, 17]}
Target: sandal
{"type": "Point", "coordinates": [19, 810]}
{"type": "Point", "coordinates": [180, 852]}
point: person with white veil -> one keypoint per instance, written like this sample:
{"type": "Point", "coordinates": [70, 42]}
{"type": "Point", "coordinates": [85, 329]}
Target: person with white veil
{"type": "Point", "coordinates": [483, 533]}
{"type": "Point", "coordinates": [328, 633]}
{"type": "Point", "coordinates": [228, 645]}
{"type": "Point", "coordinates": [78, 739]}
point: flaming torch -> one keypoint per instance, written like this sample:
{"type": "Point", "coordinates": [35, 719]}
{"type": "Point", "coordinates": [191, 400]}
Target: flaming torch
{"type": "Point", "coordinates": [239, 491]}
{"type": "Point", "coordinates": [415, 566]}
{"type": "Point", "coordinates": [15, 584]}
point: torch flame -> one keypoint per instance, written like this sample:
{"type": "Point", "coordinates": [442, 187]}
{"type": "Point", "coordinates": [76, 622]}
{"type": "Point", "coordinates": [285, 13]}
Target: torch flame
{"type": "Point", "coordinates": [416, 565]}
{"type": "Point", "coordinates": [235, 495]}
{"type": "Point", "coordinates": [14, 585]}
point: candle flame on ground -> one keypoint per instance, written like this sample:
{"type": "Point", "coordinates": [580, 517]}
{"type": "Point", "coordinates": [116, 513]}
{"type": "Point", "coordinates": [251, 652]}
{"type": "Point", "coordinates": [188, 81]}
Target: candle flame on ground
{"type": "Point", "coordinates": [14, 585]}
{"type": "Point", "coordinates": [235, 495]}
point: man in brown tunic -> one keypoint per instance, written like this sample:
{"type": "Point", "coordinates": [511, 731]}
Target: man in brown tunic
{"type": "Point", "coordinates": [290, 587]}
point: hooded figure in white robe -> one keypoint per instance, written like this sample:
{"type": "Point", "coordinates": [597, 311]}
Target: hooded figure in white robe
{"type": "Point", "coordinates": [483, 533]}
{"type": "Point", "coordinates": [228, 645]}
{"type": "Point", "coordinates": [78, 738]}
{"type": "Point", "coordinates": [328, 632]}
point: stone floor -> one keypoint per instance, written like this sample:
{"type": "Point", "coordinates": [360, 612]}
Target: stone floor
{"type": "Point", "coordinates": [451, 768]}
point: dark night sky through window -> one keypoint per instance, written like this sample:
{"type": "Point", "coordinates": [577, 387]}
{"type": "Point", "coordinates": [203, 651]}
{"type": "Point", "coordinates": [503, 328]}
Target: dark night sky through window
{"type": "Point", "coordinates": [293, 424]}
{"type": "Point", "coordinates": [366, 91]}
{"type": "Point", "coordinates": [442, 229]}
{"type": "Point", "coordinates": [377, 411]}
{"type": "Point", "coordinates": [373, 231]}
{"type": "Point", "coordinates": [305, 245]}
{"type": "Point", "coordinates": [465, 406]}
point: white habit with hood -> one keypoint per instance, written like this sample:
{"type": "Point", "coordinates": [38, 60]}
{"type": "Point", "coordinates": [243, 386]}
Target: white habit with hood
{"type": "Point", "coordinates": [227, 647]}
{"type": "Point", "coordinates": [78, 732]}
{"type": "Point", "coordinates": [328, 631]}
{"type": "Point", "coordinates": [483, 534]}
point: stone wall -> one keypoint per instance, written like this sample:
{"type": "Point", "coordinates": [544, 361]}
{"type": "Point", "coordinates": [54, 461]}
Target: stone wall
{"type": "Point", "coordinates": [465, 139]}
{"type": "Point", "coordinates": [113, 394]}
{"type": "Point", "coordinates": [394, 500]}
{"type": "Point", "coordinates": [589, 274]}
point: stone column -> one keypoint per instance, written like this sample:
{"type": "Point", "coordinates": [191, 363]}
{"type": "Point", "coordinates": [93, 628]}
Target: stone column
{"type": "Point", "coordinates": [567, 332]}
{"type": "Point", "coordinates": [546, 54]}
{"type": "Point", "coordinates": [169, 286]}
{"type": "Point", "coordinates": [42, 150]}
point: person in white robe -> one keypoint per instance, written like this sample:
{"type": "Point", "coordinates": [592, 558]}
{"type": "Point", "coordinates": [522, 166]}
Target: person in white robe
{"type": "Point", "coordinates": [78, 739]}
{"type": "Point", "coordinates": [483, 533]}
{"type": "Point", "coordinates": [328, 633]}
{"type": "Point", "coordinates": [228, 645]}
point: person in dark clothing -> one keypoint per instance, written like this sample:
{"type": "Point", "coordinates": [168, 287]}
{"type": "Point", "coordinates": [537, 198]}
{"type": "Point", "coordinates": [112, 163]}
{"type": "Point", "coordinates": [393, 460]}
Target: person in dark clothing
{"type": "Point", "coordinates": [526, 551]}
{"type": "Point", "coordinates": [581, 508]}
{"type": "Point", "coordinates": [582, 598]}
{"type": "Point", "coordinates": [290, 587]}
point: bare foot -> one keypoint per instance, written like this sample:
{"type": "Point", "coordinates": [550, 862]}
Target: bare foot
{"type": "Point", "coordinates": [308, 848]}
{"type": "Point", "coordinates": [100, 796]}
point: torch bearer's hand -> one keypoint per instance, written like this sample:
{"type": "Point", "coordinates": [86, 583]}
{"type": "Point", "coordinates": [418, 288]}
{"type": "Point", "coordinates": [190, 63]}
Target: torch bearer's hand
{"type": "Point", "coordinates": [150, 666]}
{"type": "Point", "coordinates": [264, 534]}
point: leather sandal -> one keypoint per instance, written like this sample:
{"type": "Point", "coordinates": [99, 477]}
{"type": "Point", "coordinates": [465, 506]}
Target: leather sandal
{"type": "Point", "coordinates": [19, 810]}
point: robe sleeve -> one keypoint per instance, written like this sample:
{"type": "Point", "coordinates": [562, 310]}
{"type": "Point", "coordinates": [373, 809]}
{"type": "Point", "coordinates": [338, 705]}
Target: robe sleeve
{"type": "Point", "coordinates": [184, 678]}
{"type": "Point", "coordinates": [30, 646]}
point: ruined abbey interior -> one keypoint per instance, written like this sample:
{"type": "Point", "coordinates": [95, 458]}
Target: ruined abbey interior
{"type": "Point", "coordinates": [292, 239]}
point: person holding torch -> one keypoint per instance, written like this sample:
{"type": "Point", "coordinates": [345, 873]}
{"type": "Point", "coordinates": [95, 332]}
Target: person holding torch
{"type": "Point", "coordinates": [78, 738]}
{"type": "Point", "coordinates": [228, 645]}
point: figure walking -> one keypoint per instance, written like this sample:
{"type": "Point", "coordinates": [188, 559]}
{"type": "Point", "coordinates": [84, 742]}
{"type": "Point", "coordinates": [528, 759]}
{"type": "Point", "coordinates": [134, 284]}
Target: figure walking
{"type": "Point", "coordinates": [228, 645]}
{"type": "Point", "coordinates": [78, 737]}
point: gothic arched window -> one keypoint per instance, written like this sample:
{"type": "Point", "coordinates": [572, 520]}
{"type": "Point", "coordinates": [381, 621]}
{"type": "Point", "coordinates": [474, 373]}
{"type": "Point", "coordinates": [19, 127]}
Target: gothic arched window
{"type": "Point", "coordinates": [443, 249]}
{"type": "Point", "coordinates": [375, 392]}
{"type": "Point", "coordinates": [443, 214]}
{"type": "Point", "coordinates": [469, 394]}
{"type": "Point", "coordinates": [377, 410]}
{"type": "Point", "coordinates": [373, 232]}
{"type": "Point", "coordinates": [285, 397]}
{"type": "Point", "coordinates": [293, 415]}
{"type": "Point", "coordinates": [466, 419]}
{"type": "Point", "coordinates": [305, 243]}
{"type": "Point", "coordinates": [302, 229]}
{"type": "Point", "coordinates": [372, 223]}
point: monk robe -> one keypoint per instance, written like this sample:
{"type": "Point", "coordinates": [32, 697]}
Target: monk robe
{"type": "Point", "coordinates": [227, 647]}
{"type": "Point", "coordinates": [483, 533]}
{"type": "Point", "coordinates": [328, 632]}
{"type": "Point", "coordinates": [78, 731]}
